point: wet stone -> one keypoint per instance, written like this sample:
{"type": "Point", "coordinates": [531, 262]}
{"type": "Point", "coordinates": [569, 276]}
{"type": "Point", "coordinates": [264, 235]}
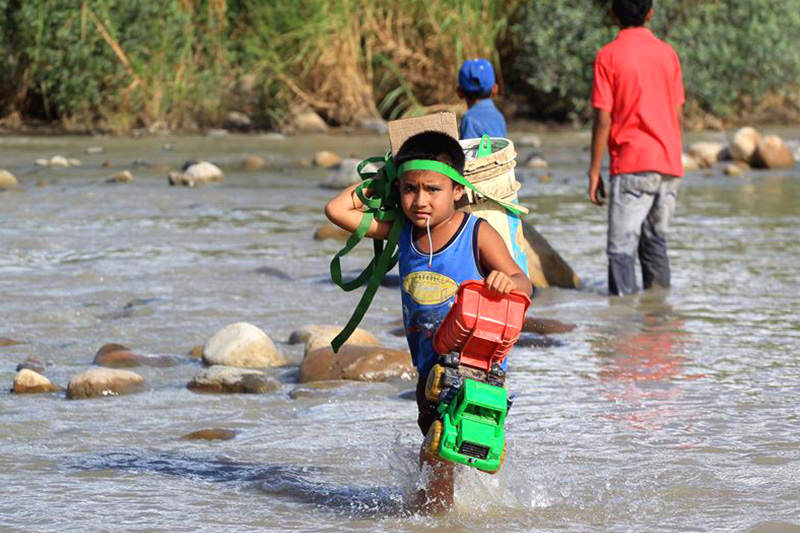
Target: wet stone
{"type": "Point", "coordinates": [357, 363]}
{"type": "Point", "coordinates": [329, 231]}
{"type": "Point", "coordinates": [128, 359]}
{"type": "Point", "coordinates": [5, 341]}
{"type": "Point", "coordinates": [320, 335]}
{"type": "Point", "coordinates": [104, 382]}
{"type": "Point", "coordinates": [30, 382]}
{"type": "Point", "coordinates": [196, 352]}
{"type": "Point", "coordinates": [32, 363]}
{"type": "Point", "coordinates": [210, 434]}
{"type": "Point", "coordinates": [546, 326]}
{"type": "Point", "coordinates": [226, 379]}
{"type": "Point", "coordinates": [316, 389]}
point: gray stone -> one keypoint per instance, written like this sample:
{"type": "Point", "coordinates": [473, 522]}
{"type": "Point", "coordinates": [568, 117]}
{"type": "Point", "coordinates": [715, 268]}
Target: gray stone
{"type": "Point", "coordinates": [226, 379]}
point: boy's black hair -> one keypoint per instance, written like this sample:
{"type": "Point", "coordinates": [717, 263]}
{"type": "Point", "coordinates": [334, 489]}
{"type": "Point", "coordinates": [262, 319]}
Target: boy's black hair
{"type": "Point", "coordinates": [631, 13]}
{"type": "Point", "coordinates": [476, 95]}
{"type": "Point", "coordinates": [433, 145]}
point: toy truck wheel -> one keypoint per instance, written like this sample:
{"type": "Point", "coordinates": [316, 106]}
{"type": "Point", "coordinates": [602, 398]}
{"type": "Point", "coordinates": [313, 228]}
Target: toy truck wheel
{"type": "Point", "coordinates": [433, 385]}
{"type": "Point", "coordinates": [433, 439]}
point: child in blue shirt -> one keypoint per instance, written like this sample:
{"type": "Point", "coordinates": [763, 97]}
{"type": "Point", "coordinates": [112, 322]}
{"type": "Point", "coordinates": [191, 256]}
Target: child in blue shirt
{"type": "Point", "coordinates": [476, 85]}
{"type": "Point", "coordinates": [439, 248]}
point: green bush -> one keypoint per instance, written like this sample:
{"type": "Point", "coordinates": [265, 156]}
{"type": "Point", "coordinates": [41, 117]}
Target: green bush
{"type": "Point", "coordinates": [108, 59]}
{"type": "Point", "coordinates": [733, 52]}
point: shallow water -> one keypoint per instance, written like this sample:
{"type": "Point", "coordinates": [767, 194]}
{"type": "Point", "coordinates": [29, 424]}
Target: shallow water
{"type": "Point", "coordinates": [668, 412]}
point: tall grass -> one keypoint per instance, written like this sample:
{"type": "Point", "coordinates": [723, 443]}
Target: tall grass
{"type": "Point", "coordinates": [350, 60]}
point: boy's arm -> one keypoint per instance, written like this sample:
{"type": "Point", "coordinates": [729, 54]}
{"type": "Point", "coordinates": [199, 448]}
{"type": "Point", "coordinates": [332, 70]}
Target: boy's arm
{"type": "Point", "coordinates": [346, 209]}
{"type": "Point", "coordinates": [601, 129]}
{"type": "Point", "coordinates": [504, 274]}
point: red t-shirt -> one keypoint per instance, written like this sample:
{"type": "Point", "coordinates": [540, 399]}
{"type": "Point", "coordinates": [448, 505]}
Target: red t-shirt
{"type": "Point", "coordinates": [638, 79]}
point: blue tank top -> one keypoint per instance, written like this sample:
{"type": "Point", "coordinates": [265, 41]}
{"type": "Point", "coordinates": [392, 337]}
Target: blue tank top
{"type": "Point", "coordinates": [427, 293]}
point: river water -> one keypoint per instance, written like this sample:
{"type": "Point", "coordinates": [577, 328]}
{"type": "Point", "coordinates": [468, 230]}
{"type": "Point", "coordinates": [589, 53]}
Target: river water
{"type": "Point", "coordinates": [659, 412]}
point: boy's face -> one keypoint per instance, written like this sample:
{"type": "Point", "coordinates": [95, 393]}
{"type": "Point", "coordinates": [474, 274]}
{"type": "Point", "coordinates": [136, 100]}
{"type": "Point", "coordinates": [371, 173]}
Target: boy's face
{"type": "Point", "coordinates": [425, 194]}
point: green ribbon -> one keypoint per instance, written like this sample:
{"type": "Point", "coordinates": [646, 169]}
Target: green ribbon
{"type": "Point", "coordinates": [383, 204]}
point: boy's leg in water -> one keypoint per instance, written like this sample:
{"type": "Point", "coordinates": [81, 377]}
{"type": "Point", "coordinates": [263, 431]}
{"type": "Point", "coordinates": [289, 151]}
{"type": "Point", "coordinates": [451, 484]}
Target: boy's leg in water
{"type": "Point", "coordinates": [437, 496]}
{"type": "Point", "coordinates": [631, 197]}
{"type": "Point", "coordinates": [653, 242]}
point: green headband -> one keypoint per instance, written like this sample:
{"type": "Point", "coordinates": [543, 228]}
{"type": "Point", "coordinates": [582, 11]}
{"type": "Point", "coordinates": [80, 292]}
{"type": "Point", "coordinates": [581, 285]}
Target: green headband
{"type": "Point", "coordinates": [450, 172]}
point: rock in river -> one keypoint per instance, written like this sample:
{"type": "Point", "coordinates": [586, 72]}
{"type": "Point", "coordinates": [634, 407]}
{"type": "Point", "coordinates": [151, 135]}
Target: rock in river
{"type": "Point", "coordinates": [7, 180]}
{"type": "Point", "coordinates": [230, 379]}
{"type": "Point", "coordinates": [243, 345]}
{"type": "Point", "coordinates": [358, 363]}
{"type": "Point", "coordinates": [744, 143]}
{"type": "Point", "coordinates": [772, 152]}
{"type": "Point", "coordinates": [104, 382]}
{"type": "Point", "coordinates": [327, 159]}
{"type": "Point", "coordinates": [28, 381]}
{"type": "Point", "coordinates": [210, 434]}
{"type": "Point", "coordinates": [318, 336]}
{"type": "Point", "coordinates": [329, 231]}
{"type": "Point", "coordinates": [129, 359]}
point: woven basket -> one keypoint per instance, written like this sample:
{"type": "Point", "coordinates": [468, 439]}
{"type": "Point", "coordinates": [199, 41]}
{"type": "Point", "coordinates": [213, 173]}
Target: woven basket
{"type": "Point", "coordinates": [494, 175]}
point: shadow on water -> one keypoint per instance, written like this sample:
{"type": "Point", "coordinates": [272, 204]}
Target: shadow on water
{"type": "Point", "coordinates": [281, 481]}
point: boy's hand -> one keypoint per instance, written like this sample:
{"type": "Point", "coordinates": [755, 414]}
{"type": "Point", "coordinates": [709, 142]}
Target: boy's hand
{"type": "Point", "coordinates": [499, 282]}
{"type": "Point", "coordinates": [597, 191]}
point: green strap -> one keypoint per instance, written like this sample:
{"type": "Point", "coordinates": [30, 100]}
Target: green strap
{"type": "Point", "coordinates": [485, 146]}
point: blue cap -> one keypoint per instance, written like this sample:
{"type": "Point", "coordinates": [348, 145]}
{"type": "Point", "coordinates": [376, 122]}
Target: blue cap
{"type": "Point", "coordinates": [476, 76]}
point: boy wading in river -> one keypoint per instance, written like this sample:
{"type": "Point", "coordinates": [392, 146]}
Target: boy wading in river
{"type": "Point", "coordinates": [638, 98]}
{"type": "Point", "coordinates": [439, 248]}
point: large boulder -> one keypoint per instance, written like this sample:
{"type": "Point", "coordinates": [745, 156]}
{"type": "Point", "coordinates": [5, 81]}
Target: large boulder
{"type": "Point", "coordinates": [772, 152]}
{"type": "Point", "coordinates": [357, 363]}
{"type": "Point", "coordinates": [27, 381]}
{"type": "Point", "coordinates": [706, 153]}
{"type": "Point", "coordinates": [104, 382]}
{"type": "Point", "coordinates": [233, 380]}
{"type": "Point", "coordinates": [7, 180]}
{"type": "Point", "coordinates": [744, 144]}
{"type": "Point", "coordinates": [318, 336]}
{"type": "Point", "coordinates": [243, 345]}
{"type": "Point", "coordinates": [546, 267]}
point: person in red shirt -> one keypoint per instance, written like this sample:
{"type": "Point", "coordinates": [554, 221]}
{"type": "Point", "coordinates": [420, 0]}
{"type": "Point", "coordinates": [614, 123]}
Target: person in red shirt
{"type": "Point", "coordinates": [638, 97]}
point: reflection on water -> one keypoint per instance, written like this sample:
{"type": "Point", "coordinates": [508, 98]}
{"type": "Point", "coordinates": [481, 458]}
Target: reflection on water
{"type": "Point", "coordinates": [641, 365]}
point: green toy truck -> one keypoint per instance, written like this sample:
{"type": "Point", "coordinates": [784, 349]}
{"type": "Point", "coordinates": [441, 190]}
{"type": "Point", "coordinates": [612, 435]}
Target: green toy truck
{"type": "Point", "coordinates": [468, 381]}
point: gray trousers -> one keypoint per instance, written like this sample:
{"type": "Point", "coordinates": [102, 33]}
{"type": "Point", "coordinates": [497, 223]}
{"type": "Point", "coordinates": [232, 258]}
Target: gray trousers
{"type": "Point", "coordinates": [640, 207]}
